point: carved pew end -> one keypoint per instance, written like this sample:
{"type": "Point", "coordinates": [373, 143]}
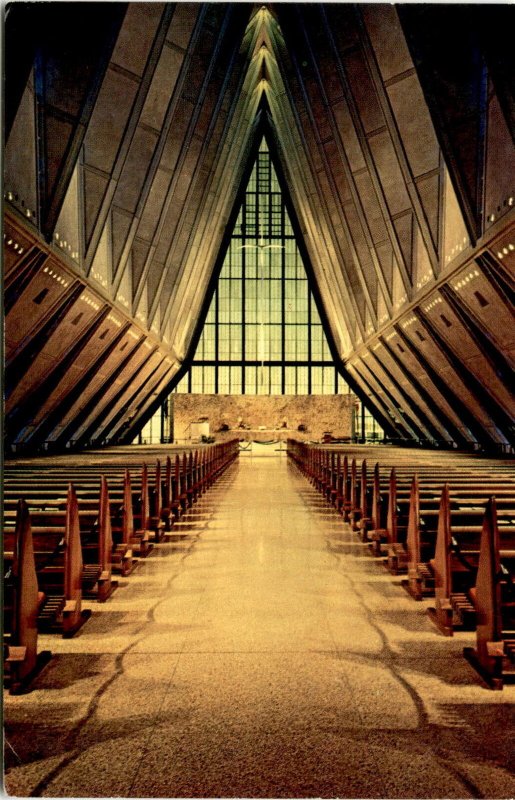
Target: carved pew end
{"type": "Point", "coordinates": [158, 528]}
{"type": "Point", "coordinates": [465, 616]}
{"type": "Point", "coordinates": [90, 577]}
{"type": "Point", "coordinates": [50, 613]}
{"type": "Point", "coordinates": [457, 614]}
{"type": "Point", "coordinates": [494, 655]}
{"type": "Point", "coordinates": [363, 528]}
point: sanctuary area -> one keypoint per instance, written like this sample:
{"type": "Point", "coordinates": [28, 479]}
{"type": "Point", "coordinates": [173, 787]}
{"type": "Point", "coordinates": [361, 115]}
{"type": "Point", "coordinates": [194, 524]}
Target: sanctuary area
{"type": "Point", "coordinates": [259, 421]}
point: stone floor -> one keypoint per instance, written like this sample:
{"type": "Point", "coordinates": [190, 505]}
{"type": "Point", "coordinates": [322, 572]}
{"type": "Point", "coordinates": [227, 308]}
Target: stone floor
{"type": "Point", "coordinates": [261, 652]}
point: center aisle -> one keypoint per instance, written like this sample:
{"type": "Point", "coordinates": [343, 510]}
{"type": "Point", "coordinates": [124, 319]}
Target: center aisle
{"type": "Point", "coordinates": [262, 653]}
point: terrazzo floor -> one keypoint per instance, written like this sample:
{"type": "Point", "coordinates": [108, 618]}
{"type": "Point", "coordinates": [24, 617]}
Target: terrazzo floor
{"type": "Point", "coordinates": [261, 652]}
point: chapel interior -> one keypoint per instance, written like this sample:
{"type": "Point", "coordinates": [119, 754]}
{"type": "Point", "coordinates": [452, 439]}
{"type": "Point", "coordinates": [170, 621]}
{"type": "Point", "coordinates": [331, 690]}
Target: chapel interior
{"type": "Point", "coordinates": [258, 471]}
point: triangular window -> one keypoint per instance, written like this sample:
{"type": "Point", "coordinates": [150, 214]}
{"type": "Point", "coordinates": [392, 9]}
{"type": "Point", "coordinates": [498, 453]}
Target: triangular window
{"type": "Point", "coordinates": [263, 333]}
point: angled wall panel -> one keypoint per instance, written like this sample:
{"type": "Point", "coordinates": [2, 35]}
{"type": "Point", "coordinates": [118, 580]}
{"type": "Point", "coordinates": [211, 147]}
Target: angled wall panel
{"type": "Point", "coordinates": [112, 387]}
{"type": "Point", "coordinates": [402, 378]}
{"type": "Point", "coordinates": [443, 319]}
{"type": "Point", "coordinates": [493, 311]}
{"type": "Point", "coordinates": [93, 391]}
{"type": "Point", "coordinates": [36, 303]}
{"type": "Point", "coordinates": [417, 370]}
{"type": "Point", "coordinates": [123, 403]}
{"type": "Point", "coordinates": [143, 397]}
{"type": "Point", "coordinates": [94, 347]}
{"type": "Point", "coordinates": [69, 329]}
{"type": "Point", "coordinates": [423, 340]}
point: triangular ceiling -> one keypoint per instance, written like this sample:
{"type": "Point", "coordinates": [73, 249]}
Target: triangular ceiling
{"type": "Point", "coordinates": [144, 161]}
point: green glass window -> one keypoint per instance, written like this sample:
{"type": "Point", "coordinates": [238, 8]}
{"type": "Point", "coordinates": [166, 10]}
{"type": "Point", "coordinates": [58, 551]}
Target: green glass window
{"type": "Point", "coordinates": [263, 333]}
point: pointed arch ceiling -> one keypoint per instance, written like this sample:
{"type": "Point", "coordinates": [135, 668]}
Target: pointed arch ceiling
{"type": "Point", "coordinates": [123, 166]}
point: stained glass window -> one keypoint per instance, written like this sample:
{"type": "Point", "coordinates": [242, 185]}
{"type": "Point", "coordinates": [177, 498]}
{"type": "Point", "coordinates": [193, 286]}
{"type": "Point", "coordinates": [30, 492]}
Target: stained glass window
{"type": "Point", "coordinates": [263, 333]}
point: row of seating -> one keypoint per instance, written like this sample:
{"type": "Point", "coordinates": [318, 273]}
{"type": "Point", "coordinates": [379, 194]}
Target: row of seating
{"type": "Point", "coordinates": [448, 527]}
{"type": "Point", "coordinates": [70, 530]}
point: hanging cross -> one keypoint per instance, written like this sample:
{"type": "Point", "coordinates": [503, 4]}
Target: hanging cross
{"type": "Point", "coordinates": [260, 246]}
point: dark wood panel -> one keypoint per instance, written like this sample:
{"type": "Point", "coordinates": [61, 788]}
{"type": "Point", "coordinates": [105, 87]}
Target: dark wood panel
{"type": "Point", "coordinates": [446, 49]}
{"type": "Point", "coordinates": [499, 179]}
{"type": "Point", "coordinates": [362, 88]}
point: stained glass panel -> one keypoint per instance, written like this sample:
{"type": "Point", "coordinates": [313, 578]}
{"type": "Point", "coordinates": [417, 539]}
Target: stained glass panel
{"type": "Point", "coordinates": [263, 333]}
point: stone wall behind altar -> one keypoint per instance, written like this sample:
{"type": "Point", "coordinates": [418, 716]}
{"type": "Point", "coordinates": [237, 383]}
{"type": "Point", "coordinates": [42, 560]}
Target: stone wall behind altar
{"type": "Point", "coordinates": [265, 417]}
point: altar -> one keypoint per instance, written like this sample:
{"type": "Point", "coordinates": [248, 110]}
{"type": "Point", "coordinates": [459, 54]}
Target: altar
{"type": "Point", "coordinates": [259, 434]}
{"type": "Point", "coordinates": [261, 418]}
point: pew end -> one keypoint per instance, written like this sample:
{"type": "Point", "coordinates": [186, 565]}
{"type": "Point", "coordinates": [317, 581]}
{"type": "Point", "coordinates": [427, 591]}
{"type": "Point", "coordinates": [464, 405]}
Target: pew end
{"type": "Point", "coordinates": [22, 603]}
{"type": "Point", "coordinates": [493, 658]}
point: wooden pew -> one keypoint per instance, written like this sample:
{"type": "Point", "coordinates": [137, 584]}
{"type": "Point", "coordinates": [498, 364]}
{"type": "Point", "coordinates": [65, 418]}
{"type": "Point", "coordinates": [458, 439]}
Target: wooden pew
{"type": "Point", "coordinates": [122, 531]}
{"type": "Point", "coordinates": [177, 481]}
{"type": "Point", "coordinates": [105, 583]}
{"type": "Point", "coordinates": [335, 474]}
{"type": "Point", "coordinates": [62, 582]}
{"type": "Point", "coordinates": [494, 601]}
{"type": "Point", "coordinates": [170, 504]}
{"type": "Point", "coordinates": [378, 531]}
{"type": "Point", "coordinates": [98, 552]}
{"type": "Point", "coordinates": [22, 603]}
{"type": "Point", "coordinates": [54, 496]}
{"type": "Point", "coordinates": [466, 549]}
{"type": "Point", "coordinates": [463, 518]}
{"type": "Point", "coordinates": [52, 483]}
{"type": "Point", "coordinates": [455, 563]}
{"type": "Point", "coordinates": [360, 515]}
{"type": "Point", "coordinates": [401, 528]}
{"type": "Point", "coordinates": [60, 569]}
{"type": "Point", "coordinates": [156, 522]}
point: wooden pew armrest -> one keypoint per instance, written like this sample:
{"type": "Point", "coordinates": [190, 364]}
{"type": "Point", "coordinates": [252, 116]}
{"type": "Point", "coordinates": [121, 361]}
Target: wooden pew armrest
{"type": "Point", "coordinates": [495, 649]}
{"type": "Point", "coordinates": [16, 653]}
